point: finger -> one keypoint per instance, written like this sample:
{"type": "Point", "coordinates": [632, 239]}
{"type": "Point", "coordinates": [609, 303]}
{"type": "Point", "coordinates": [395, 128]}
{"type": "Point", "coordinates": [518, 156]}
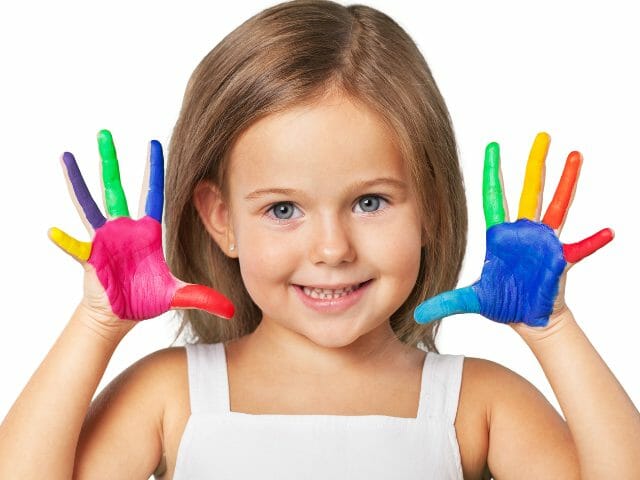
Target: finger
{"type": "Point", "coordinates": [531, 197]}
{"type": "Point", "coordinates": [462, 300]}
{"type": "Point", "coordinates": [155, 194]}
{"type": "Point", "coordinates": [204, 298]}
{"type": "Point", "coordinates": [492, 191]}
{"type": "Point", "coordinates": [82, 195]}
{"type": "Point", "coordinates": [77, 249]}
{"type": "Point", "coordinates": [557, 209]}
{"type": "Point", "coordinates": [114, 198]}
{"type": "Point", "coordinates": [574, 252]}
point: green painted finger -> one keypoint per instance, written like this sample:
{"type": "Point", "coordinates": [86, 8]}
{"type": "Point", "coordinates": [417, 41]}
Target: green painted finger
{"type": "Point", "coordinates": [115, 201]}
{"type": "Point", "coordinates": [492, 197]}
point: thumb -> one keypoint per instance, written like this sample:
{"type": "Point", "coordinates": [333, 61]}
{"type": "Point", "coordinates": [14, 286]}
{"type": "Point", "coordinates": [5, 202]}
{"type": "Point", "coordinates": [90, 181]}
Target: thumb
{"type": "Point", "coordinates": [461, 300]}
{"type": "Point", "coordinates": [204, 298]}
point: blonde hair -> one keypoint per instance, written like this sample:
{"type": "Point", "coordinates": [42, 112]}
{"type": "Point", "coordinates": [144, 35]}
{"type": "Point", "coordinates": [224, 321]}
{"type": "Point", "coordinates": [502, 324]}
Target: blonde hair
{"type": "Point", "coordinates": [292, 54]}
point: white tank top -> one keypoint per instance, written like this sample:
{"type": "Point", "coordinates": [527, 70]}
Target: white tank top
{"type": "Point", "coordinates": [220, 444]}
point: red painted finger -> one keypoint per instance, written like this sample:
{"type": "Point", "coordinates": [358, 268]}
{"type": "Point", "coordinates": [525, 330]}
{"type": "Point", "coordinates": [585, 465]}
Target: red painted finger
{"type": "Point", "coordinates": [204, 298]}
{"type": "Point", "coordinates": [574, 252]}
{"type": "Point", "coordinates": [557, 209]}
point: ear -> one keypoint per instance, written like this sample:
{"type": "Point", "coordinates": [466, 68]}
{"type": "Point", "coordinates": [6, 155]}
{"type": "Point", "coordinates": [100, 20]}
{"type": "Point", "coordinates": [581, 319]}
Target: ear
{"type": "Point", "coordinates": [216, 216]}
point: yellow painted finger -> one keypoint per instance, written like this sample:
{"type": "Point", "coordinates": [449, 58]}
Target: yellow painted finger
{"type": "Point", "coordinates": [530, 198]}
{"type": "Point", "coordinates": [77, 249]}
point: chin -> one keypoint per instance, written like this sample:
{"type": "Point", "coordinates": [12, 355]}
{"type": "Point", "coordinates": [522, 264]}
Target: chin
{"type": "Point", "coordinates": [333, 337]}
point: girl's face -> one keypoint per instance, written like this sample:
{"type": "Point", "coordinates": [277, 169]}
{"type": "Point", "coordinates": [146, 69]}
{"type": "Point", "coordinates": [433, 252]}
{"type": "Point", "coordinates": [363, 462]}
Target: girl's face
{"type": "Point", "coordinates": [320, 198]}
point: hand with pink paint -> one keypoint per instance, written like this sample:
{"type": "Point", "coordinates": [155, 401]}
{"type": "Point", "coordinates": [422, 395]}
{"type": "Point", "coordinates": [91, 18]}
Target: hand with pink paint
{"type": "Point", "coordinates": [126, 272]}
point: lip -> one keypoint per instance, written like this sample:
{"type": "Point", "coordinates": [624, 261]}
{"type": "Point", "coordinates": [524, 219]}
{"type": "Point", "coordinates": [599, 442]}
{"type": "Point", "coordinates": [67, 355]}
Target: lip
{"type": "Point", "coordinates": [337, 286]}
{"type": "Point", "coordinates": [333, 305]}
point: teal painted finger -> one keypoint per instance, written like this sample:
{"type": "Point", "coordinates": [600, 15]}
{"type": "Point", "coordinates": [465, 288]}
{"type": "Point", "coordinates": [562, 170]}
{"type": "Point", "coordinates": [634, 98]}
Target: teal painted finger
{"type": "Point", "coordinates": [115, 200]}
{"type": "Point", "coordinates": [492, 196]}
{"type": "Point", "coordinates": [462, 300]}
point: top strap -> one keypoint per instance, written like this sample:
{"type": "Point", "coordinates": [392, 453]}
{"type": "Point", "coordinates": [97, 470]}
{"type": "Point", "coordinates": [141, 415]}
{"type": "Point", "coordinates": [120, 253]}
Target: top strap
{"type": "Point", "coordinates": [208, 382]}
{"type": "Point", "coordinates": [440, 392]}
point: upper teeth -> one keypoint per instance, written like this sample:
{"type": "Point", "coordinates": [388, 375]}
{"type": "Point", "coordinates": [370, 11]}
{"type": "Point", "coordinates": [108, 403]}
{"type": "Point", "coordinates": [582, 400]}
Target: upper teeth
{"type": "Point", "coordinates": [327, 293]}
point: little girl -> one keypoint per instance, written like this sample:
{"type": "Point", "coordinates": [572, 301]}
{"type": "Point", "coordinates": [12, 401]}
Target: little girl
{"type": "Point", "coordinates": [314, 184]}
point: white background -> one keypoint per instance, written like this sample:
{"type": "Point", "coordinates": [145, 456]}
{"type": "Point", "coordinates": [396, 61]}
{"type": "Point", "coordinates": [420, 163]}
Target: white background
{"type": "Point", "coordinates": [506, 69]}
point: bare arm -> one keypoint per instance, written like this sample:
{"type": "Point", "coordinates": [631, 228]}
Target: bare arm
{"type": "Point", "coordinates": [126, 277]}
{"type": "Point", "coordinates": [529, 440]}
{"type": "Point", "coordinates": [522, 284]}
{"type": "Point", "coordinates": [604, 423]}
{"type": "Point", "coordinates": [40, 432]}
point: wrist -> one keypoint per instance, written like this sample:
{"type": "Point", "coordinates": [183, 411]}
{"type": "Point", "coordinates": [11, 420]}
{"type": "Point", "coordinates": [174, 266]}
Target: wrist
{"type": "Point", "coordinates": [106, 326]}
{"type": "Point", "coordinates": [559, 323]}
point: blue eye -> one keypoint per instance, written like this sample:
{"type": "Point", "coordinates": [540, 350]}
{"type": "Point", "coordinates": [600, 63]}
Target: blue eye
{"type": "Point", "coordinates": [370, 203]}
{"type": "Point", "coordinates": [282, 210]}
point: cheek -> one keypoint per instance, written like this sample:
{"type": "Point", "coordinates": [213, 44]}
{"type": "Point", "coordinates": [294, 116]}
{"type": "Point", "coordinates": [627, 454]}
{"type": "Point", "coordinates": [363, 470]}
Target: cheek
{"type": "Point", "coordinates": [264, 261]}
{"type": "Point", "coordinates": [399, 253]}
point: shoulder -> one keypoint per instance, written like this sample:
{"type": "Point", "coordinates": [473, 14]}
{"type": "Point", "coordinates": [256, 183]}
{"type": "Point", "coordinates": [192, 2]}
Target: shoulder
{"type": "Point", "coordinates": [151, 384]}
{"type": "Point", "coordinates": [495, 386]}
{"type": "Point", "coordinates": [522, 431]}
{"type": "Point", "coordinates": [148, 379]}
{"type": "Point", "coordinates": [158, 372]}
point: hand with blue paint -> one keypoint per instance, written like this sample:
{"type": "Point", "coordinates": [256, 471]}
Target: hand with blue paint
{"type": "Point", "coordinates": [126, 272]}
{"type": "Point", "coordinates": [522, 280]}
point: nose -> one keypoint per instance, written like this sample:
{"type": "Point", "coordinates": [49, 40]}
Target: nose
{"type": "Point", "coordinates": [331, 241]}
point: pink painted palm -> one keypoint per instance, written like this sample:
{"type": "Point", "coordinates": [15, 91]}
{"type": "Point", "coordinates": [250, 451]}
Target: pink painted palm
{"type": "Point", "coordinates": [127, 254]}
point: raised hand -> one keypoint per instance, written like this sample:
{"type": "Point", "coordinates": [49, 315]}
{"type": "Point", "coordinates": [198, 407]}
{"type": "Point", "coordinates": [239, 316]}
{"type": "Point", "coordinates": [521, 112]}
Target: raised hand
{"type": "Point", "coordinates": [127, 254]}
{"type": "Point", "coordinates": [525, 262]}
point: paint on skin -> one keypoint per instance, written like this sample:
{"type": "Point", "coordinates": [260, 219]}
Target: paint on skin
{"type": "Point", "coordinates": [155, 195]}
{"type": "Point", "coordinates": [128, 259]}
{"type": "Point", "coordinates": [127, 254]}
{"type": "Point", "coordinates": [492, 196]}
{"type": "Point", "coordinates": [114, 197]}
{"type": "Point", "coordinates": [204, 298]}
{"type": "Point", "coordinates": [521, 274]}
{"type": "Point", "coordinates": [85, 200]}
{"type": "Point", "coordinates": [533, 179]}
{"type": "Point", "coordinates": [557, 209]}
{"type": "Point", "coordinates": [525, 259]}
{"type": "Point", "coordinates": [519, 280]}
{"type": "Point", "coordinates": [77, 249]}
{"type": "Point", "coordinates": [574, 252]}
{"type": "Point", "coordinates": [453, 302]}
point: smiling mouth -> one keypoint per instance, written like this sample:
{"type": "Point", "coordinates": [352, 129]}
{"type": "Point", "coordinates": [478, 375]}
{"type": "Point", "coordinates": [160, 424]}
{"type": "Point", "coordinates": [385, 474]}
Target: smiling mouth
{"type": "Point", "coordinates": [330, 294]}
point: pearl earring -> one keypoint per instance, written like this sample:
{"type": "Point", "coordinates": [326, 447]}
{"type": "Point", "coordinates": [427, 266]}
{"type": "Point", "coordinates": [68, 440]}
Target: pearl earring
{"type": "Point", "coordinates": [232, 247]}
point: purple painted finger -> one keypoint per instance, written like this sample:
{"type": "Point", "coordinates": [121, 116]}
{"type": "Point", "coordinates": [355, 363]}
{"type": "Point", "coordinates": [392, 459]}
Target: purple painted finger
{"type": "Point", "coordinates": [85, 200]}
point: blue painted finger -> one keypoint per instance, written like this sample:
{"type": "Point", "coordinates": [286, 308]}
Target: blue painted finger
{"type": "Point", "coordinates": [462, 300]}
{"type": "Point", "coordinates": [155, 195]}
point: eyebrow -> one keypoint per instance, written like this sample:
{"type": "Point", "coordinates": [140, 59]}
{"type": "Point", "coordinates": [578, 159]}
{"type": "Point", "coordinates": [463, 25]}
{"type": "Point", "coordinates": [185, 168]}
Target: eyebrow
{"type": "Point", "coordinates": [388, 181]}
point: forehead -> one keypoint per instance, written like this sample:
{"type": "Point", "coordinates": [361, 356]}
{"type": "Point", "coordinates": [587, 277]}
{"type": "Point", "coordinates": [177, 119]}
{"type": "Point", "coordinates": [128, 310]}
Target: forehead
{"type": "Point", "coordinates": [333, 139]}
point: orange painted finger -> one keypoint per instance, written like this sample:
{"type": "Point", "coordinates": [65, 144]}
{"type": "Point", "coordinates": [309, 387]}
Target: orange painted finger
{"type": "Point", "coordinates": [574, 252]}
{"type": "Point", "coordinates": [557, 210]}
